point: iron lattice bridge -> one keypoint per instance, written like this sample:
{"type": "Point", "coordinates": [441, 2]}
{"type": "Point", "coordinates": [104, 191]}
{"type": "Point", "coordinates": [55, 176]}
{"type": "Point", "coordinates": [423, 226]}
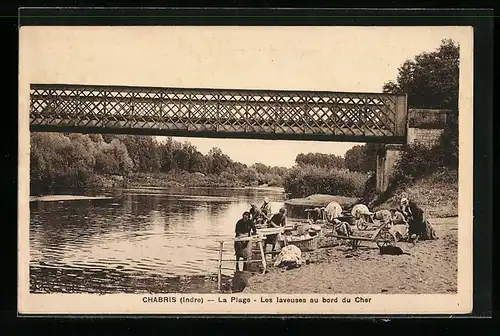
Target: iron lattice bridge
{"type": "Point", "coordinates": [263, 114]}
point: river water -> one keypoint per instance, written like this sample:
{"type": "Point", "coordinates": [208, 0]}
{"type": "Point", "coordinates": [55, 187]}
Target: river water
{"type": "Point", "coordinates": [140, 240]}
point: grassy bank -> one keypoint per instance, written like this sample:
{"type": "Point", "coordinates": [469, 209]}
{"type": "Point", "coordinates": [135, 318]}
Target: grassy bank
{"type": "Point", "coordinates": [185, 179]}
{"type": "Point", "coordinates": [437, 194]}
{"type": "Point", "coordinates": [99, 182]}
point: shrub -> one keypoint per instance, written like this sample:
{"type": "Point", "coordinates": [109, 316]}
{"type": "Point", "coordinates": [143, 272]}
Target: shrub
{"type": "Point", "coordinates": [306, 180]}
{"type": "Point", "coordinates": [416, 161]}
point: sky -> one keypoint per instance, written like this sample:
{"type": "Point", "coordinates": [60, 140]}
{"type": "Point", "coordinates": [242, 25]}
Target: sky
{"type": "Point", "coordinates": [348, 59]}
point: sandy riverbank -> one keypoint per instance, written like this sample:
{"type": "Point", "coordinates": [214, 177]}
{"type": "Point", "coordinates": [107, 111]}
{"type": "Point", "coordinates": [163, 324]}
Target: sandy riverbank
{"type": "Point", "coordinates": [431, 268]}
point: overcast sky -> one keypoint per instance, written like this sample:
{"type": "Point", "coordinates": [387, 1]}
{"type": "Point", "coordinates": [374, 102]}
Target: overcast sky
{"type": "Point", "coordinates": [357, 59]}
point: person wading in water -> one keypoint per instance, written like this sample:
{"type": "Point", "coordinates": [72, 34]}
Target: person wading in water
{"type": "Point", "coordinates": [243, 249]}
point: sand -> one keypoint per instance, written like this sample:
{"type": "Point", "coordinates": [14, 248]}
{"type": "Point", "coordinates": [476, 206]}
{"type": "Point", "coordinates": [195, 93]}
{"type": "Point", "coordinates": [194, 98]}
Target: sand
{"type": "Point", "coordinates": [431, 268]}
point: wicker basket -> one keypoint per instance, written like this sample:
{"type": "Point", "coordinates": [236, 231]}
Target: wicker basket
{"type": "Point", "coordinates": [309, 244]}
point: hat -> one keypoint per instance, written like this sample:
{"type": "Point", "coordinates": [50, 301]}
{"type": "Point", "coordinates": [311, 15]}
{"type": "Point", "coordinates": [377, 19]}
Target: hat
{"type": "Point", "coordinates": [404, 201]}
{"type": "Point", "coordinates": [282, 210]}
{"type": "Point", "coordinates": [266, 199]}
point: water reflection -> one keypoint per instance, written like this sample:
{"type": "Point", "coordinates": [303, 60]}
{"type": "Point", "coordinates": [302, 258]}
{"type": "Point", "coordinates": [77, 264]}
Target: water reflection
{"type": "Point", "coordinates": [143, 239]}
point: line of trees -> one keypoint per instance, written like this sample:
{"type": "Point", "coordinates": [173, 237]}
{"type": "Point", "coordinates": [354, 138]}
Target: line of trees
{"type": "Point", "coordinates": [78, 161]}
{"type": "Point", "coordinates": [320, 160]}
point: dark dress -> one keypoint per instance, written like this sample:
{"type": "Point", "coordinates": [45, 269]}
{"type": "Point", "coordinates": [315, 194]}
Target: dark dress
{"type": "Point", "coordinates": [417, 221]}
{"type": "Point", "coordinates": [256, 215]}
{"type": "Point", "coordinates": [244, 228]}
{"type": "Point", "coordinates": [278, 220]}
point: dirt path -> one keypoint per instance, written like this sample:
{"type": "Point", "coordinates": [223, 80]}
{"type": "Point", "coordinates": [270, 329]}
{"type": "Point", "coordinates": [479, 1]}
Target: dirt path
{"type": "Point", "coordinates": [430, 268]}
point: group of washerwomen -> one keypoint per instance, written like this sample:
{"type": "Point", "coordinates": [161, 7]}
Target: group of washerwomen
{"type": "Point", "coordinates": [247, 226]}
{"type": "Point", "coordinates": [409, 214]}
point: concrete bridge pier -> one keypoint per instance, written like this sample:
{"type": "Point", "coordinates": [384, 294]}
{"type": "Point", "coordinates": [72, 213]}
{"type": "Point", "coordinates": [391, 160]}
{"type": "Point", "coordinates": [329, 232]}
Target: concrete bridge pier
{"type": "Point", "coordinates": [386, 162]}
{"type": "Point", "coordinates": [425, 127]}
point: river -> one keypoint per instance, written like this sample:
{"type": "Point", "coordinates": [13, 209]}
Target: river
{"type": "Point", "coordinates": [139, 240]}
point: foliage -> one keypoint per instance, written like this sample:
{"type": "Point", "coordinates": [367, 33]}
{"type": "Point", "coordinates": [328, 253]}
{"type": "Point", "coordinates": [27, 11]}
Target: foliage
{"type": "Point", "coordinates": [431, 80]}
{"type": "Point", "coordinates": [306, 180]}
{"type": "Point", "coordinates": [56, 160]}
{"type": "Point", "coordinates": [143, 151]}
{"type": "Point", "coordinates": [416, 161]}
{"type": "Point", "coordinates": [72, 160]}
{"type": "Point", "coordinates": [320, 160]}
{"type": "Point", "coordinates": [362, 158]}
{"type": "Point", "coordinates": [436, 193]}
{"type": "Point", "coordinates": [217, 162]}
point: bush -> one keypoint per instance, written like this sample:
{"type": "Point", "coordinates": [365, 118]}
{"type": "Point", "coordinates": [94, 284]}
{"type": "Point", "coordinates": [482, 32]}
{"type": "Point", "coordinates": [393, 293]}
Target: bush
{"type": "Point", "coordinates": [417, 161]}
{"type": "Point", "coordinates": [306, 180]}
{"type": "Point", "coordinates": [437, 194]}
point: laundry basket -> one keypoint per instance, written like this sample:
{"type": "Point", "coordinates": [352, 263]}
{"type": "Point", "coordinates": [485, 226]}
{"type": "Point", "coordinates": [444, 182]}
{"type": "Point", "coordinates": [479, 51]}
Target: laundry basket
{"type": "Point", "coordinates": [307, 244]}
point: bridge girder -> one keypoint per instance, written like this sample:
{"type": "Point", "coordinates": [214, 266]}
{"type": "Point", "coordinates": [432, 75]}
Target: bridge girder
{"type": "Point", "coordinates": [258, 114]}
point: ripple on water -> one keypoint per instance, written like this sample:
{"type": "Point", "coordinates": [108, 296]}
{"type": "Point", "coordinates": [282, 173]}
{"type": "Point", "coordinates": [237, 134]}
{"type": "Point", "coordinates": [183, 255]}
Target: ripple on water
{"type": "Point", "coordinates": [137, 244]}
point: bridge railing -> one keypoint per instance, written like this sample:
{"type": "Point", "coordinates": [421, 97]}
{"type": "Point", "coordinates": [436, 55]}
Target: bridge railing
{"type": "Point", "coordinates": [219, 110]}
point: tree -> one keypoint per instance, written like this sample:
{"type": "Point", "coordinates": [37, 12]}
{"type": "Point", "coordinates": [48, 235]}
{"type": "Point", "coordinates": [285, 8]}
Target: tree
{"type": "Point", "coordinates": [58, 160]}
{"type": "Point", "coordinates": [113, 158]}
{"type": "Point", "coordinates": [143, 150]}
{"type": "Point", "coordinates": [217, 161]}
{"type": "Point", "coordinates": [431, 80]}
{"type": "Point", "coordinates": [362, 158]}
{"type": "Point", "coordinates": [320, 160]}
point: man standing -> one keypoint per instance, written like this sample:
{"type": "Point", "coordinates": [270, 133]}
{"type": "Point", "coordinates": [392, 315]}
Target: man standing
{"type": "Point", "coordinates": [243, 249]}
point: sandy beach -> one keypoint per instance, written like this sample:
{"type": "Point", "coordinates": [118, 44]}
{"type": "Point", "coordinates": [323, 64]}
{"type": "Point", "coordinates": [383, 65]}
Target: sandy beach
{"type": "Point", "coordinates": [430, 268]}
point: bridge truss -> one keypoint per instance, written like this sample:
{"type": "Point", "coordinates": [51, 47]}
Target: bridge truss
{"type": "Point", "coordinates": [265, 114]}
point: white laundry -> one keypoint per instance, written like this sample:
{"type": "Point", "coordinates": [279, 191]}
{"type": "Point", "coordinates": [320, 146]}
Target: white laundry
{"type": "Point", "coordinates": [289, 254]}
{"type": "Point", "coordinates": [358, 210]}
{"type": "Point", "coordinates": [333, 210]}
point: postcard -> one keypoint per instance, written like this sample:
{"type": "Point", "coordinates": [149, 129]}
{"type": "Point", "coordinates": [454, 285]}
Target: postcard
{"type": "Point", "coordinates": [256, 170]}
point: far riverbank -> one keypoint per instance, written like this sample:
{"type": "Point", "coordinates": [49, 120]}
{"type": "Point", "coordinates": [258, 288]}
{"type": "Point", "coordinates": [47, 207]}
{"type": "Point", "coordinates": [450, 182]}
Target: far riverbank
{"type": "Point", "coordinates": [108, 183]}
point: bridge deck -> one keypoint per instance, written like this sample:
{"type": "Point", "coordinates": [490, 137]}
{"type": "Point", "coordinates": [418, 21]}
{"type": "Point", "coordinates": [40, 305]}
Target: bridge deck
{"type": "Point", "coordinates": [217, 112]}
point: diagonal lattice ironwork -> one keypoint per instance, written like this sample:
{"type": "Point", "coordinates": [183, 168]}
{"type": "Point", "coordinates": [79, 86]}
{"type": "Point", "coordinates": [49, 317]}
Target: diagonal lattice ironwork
{"type": "Point", "coordinates": [246, 113]}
